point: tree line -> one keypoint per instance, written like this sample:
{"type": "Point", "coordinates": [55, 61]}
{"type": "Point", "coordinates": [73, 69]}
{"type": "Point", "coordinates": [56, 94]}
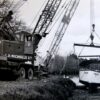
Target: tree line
{"type": "Point", "coordinates": [64, 65]}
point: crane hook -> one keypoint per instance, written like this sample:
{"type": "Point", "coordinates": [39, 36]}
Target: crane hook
{"type": "Point", "coordinates": [92, 38]}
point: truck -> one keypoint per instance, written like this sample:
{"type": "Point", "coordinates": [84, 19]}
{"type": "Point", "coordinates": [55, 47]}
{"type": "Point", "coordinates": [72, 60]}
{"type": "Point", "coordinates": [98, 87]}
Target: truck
{"type": "Point", "coordinates": [17, 50]}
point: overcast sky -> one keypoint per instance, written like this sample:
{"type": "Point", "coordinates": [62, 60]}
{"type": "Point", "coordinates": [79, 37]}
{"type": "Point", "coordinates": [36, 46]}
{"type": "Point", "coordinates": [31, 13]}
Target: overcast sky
{"type": "Point", "coordinates": [78, 30]}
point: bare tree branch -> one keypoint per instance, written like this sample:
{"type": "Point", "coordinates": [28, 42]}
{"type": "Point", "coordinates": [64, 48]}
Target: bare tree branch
{"type": "Point", "coordinates": [3, 3]}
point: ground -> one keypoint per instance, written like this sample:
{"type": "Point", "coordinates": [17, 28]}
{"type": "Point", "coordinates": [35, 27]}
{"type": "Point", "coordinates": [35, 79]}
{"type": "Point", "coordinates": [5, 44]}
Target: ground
{"type": "Point", "coordinates": [81, 94]}
{"type": "Point", "coordinates": [51, 88]}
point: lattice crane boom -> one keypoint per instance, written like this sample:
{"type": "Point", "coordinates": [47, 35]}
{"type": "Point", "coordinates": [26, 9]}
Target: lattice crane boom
{"type": "Point", "coordinates": [43, 23]}
{"type": "Point", "coordinates": [46, 17]}
{"type": "Point", "coordinates": [62, 29]}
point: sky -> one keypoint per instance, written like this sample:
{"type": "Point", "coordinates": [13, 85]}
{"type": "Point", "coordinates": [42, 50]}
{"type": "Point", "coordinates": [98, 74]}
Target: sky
{"type": "Point", "coordinates": [78, 30]}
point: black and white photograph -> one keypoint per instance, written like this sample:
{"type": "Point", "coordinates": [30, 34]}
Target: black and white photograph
{"type": "Point", "coordinates": [49, 50]}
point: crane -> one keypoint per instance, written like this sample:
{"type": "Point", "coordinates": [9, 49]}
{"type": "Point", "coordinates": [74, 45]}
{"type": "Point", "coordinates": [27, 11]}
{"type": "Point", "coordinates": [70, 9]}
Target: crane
{"type": "Point", "coordinates": [22, 65]}
{"type": "Point", "coordinates": [68, 14]}
{"type": "Point", "coordinates": [20, 50]}
{"type": "Point", "coordinates": [43, 23]}
{"type": "Point", "coordinates": [90, 64]}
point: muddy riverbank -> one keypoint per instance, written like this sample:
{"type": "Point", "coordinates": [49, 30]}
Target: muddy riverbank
{"type": "Point", "coordinates": [82, 94]}
{"type": "Point", "coordinates": [52, 88]}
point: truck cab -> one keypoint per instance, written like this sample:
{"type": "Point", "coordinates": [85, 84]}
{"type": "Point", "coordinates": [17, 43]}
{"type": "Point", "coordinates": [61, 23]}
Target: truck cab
{"type": "Point", "coordinates": [17, 55]}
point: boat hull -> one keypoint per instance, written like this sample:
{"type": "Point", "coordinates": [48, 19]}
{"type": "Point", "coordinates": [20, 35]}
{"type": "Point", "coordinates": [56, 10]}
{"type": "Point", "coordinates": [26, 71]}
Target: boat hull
{"type": "Point", "coordinates": [88, 77]}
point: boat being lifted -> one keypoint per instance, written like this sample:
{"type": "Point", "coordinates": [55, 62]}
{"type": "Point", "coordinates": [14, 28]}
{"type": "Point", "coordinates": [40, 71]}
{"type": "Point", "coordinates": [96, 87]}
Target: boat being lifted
{"type": "Point", "coordinates": [89, 73]}
{"type": "Point", "coordinates": [89, 70]}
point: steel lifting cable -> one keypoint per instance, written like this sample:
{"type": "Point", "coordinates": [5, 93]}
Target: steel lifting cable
{"type": "Point", "coordinates": [52, 43]}
{"type": "Point", "coordinates": [38, 13]}
{"type": "Point", "coordinates": [64, 6]}
{"type": "Point", "coordinates": [64, 29]}
{"type": "Point", "coordinates": [56, 20]}
{"type": "Point", "coordinates": [92, 24]}
{"type": "Point", "coordinates": [92, 21]}
{"type": "Point", "coordinates": [40, 45]}
{"type": "Point", "coordinates": [60, 14]}
{"type": "Point", "coordinates": [97, 35]}
{"type": "Point", "coordinates": [63, 32]}
{"type": "Point", "coordinates": [92, 13]}
{"type": "Point", "coordinates": [83, 47]}
{"type": "Point", "coordinates": [93, 16]}
{"type": "Point", "coordinates": [52, 47]}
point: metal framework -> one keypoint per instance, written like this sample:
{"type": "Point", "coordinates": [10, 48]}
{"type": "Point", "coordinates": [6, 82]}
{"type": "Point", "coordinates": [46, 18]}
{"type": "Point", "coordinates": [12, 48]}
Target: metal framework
{"type": "Point", "coordinates": [84, 45]}
{"type": "Point", "coordinates": [46, 17]}
{"type": "Point", "coordinates": [43, 23]}
{"type": "Point", "coordinates": [89, 56]}
{"type": "Point", "coordinates": [62, 29]}
{"type": "Point", "coordinates": [90, 46]}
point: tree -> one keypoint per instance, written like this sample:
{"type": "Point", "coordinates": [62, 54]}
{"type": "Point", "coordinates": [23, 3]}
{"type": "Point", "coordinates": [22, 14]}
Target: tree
{"type": "Point", "coordinates": [3, 3]}
{"type": "Point", "coordinates": [4, 7]}
{"type": "Point", "coordinates": [56, 64]}
{"type": "Point", "coordinates": [71, 64]}
{"type": "Point", "coordinates": [9, 23]}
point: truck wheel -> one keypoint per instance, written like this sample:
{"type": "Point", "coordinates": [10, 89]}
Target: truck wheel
{"type": "Point", "coordinates": [30, 74]}
{"type": "Point", "coordinates": [22, 73]}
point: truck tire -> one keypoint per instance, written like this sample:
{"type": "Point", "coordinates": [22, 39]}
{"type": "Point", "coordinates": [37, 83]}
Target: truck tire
{"type": "Point", "coordinates": [22, 73]}
{"type": "Point", "coordinates": [30, 74]}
